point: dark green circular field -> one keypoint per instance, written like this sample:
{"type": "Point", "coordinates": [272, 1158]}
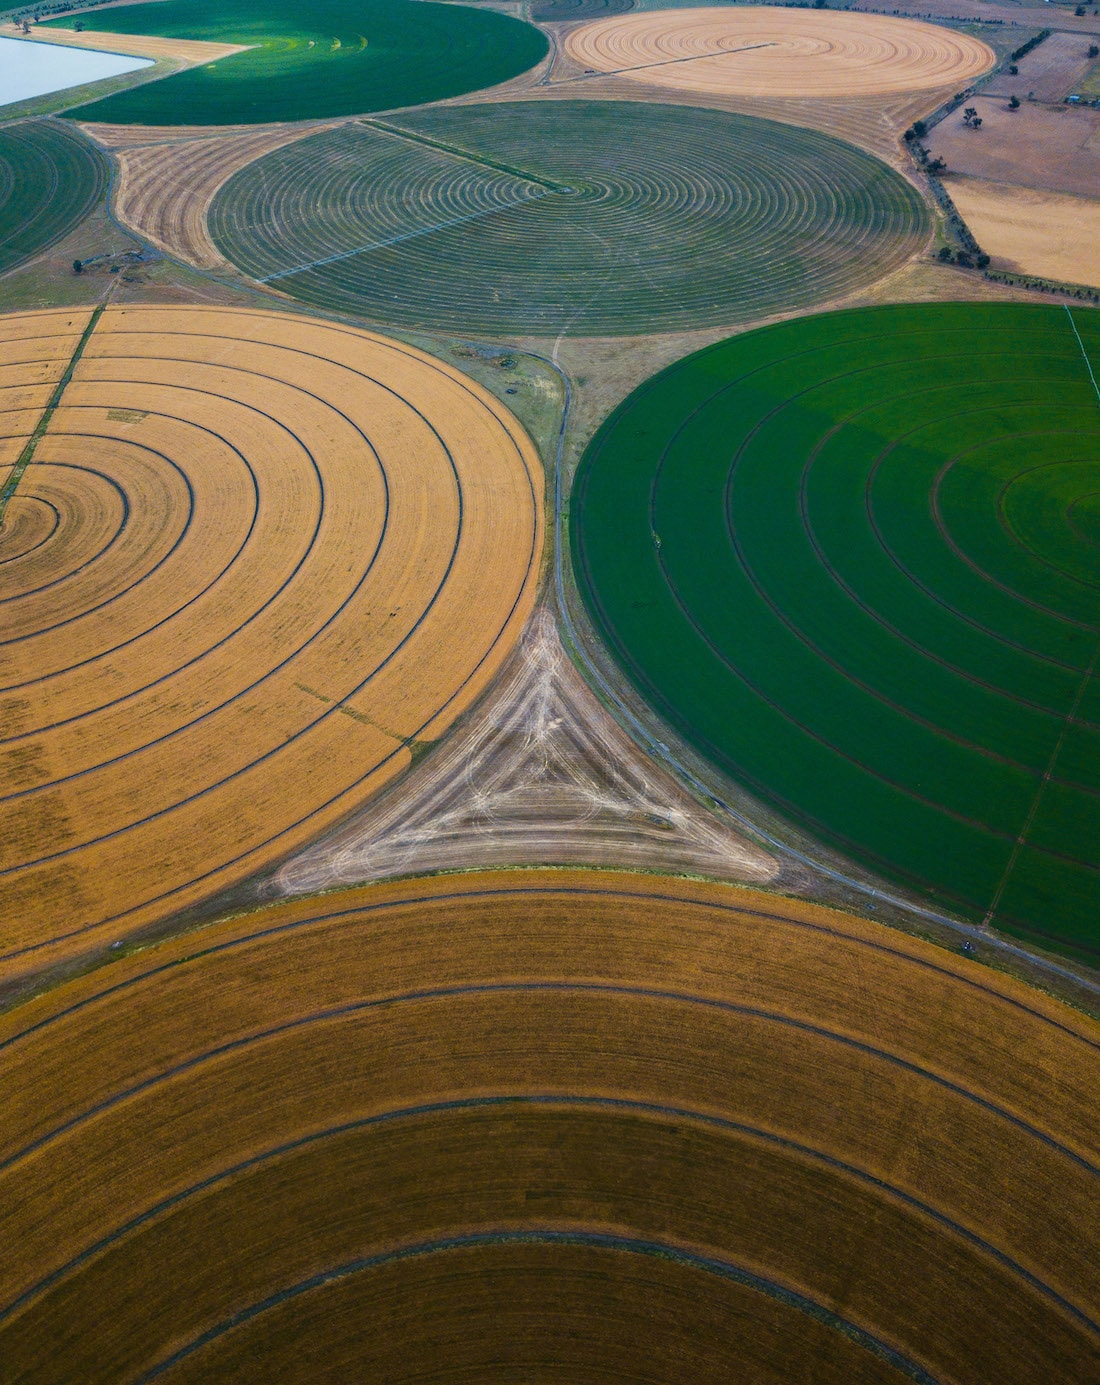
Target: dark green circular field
{"type": "Point", "coordinates": [310, 62]}
{"type": "Point", "coordinates": [855, 560]}
{"type": "Point", "coordinates": [50, 179]}
{"type": "Point", "coordinates": [589, 218]}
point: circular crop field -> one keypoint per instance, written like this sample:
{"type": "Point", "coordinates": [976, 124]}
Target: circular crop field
{"type": "Point", "coordinates": [554, 1126]}
{"type": "Point", "coordinates": [564, 10]}
{"type": "Point", "coordinates": [765, 51]}
{"type": "Point", "coordinates": [582, 217]}
{"type": "Point", "coordinates": [330, 58]}
{"type": "Point", "coordinates": [50, 179]}
{"type": "Point", "coordinates": [855, 560]}
{"type": "Point", "coordinates": [253, 561]}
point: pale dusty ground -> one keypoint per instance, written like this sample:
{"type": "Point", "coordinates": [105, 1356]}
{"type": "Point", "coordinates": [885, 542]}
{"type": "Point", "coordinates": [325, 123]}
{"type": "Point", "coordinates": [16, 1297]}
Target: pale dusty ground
{"type": "Point", "coordinates": [541, 774]}
{"type": "Point", "coordinates": [764, 51]}
{"type": "Point", "coordinates": [1049, 234]}
{"type": "Point", "coordinates": [1051, 71]}
{"type": "Point", "coordinates": [1056, 148]}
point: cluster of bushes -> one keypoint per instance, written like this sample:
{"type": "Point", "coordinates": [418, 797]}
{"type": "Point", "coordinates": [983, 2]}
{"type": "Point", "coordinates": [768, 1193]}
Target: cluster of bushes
{"type": "Point", "coordinates": [1029, 281]}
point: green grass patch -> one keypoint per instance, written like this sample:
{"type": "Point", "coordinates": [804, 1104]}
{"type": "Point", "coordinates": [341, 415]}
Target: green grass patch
{"type": "Point", "coordinates": [330, 58]}
{"type": "Point", "coordinates": [854, 560]}
{"type": "Point", "coordinates": [582, 217]}
{"type": "Point", "coordinates": [50, 179]}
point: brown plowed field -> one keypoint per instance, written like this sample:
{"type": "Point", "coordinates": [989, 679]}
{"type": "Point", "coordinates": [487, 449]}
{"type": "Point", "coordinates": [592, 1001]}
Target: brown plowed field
{"type": "Point", "coordinates": [284, 552]}
{"type": "Point", "coordinates": [764, 51]}
{"type": "Point", "coordinates": [545, 1125]}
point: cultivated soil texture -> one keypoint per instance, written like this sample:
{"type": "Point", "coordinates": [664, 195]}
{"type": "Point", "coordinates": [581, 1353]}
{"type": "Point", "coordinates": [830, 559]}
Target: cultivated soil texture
{"type": "Point", "coordinates": [1031, 232]}
{"type": "Point", "coordinates": [247, 562]}
{"type": "Point", "coordinates": [540, 774]}
{"type": "Point", "coordinates": [852, 560]}
{"type": "Point", "coordinates": [305, 63]}
{"type": "Point", "coordinates": [759, 51]}
{"type": "Point", "coordinates": [566, 217]}
{"type": "Point", "coordinates": [164, 184]}
{"type": "Point", "coordinates": [50, 179]}
{"type": "Point", "coordinates": [555, 1125]}
{"type": "Point", "coordinates": [1055, 148]}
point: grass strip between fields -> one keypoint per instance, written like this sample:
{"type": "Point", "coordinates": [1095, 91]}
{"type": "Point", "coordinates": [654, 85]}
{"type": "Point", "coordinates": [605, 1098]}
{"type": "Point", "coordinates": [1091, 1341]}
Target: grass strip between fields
{"type": "Point", "coordinates": [468, 154]}
{"type": "Point", "coordinates": [27, 455]}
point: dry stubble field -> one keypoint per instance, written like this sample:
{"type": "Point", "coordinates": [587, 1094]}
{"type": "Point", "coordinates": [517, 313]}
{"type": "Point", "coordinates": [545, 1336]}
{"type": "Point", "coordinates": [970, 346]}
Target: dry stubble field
{"type": "Point", "coordinates": [759, 51]}
{"type": "Point", "coordinates": [438, 1121]}
{"type": "Point", "coordinates": [255, 559]}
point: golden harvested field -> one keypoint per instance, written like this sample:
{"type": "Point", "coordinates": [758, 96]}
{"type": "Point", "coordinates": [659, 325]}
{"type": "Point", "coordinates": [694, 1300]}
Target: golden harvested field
{"type": "Point", "coordinates": [764, 51]}
{"type": "Point", "coordinates": [189, 52]}
{"type": "Point", "coordinates": [281, 554]}
{"type": "Point", "coordinates": [548, 1125]}
{"type": "Point", "coordinates": [1027, 231]}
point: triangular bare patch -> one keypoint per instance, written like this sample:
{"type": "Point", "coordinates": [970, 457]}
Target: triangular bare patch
{"type": "Point", "coordinates": [540, 774]}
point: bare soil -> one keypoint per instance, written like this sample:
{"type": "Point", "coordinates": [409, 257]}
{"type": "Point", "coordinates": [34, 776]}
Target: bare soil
{"type": "Point", "coordinates": [540, 774]}
{"type": "Point", "coordinates": [1050, 71]}
{"type": "Point", "coordinates": [1054, 148]}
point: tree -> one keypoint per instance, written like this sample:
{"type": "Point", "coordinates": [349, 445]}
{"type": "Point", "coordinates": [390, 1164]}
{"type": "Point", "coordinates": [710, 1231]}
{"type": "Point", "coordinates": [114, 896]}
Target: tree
{"type": "Point", "coordinates": [1013, 103]}
{"type": "Point", "coordinates": [1094, 51]}
{"type": "Point", "coordinates": [1013, 69]}
{"type": "Point", "coordinates": [919, 128]}
{"type": "Point", "coordinates": [970, 116]}
{"type": "Point", "coordinates": [945, 254]}
{"type": "Point", "coordinates": [78, 25]}
{"type": "Point", "coordinates": [77, 267]}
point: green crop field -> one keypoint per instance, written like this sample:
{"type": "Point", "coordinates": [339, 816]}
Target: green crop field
{"type": "Point", "coordinates": [328, 58]}
{"type": "Point", "coordinates": [50, 179]}
{"type": "Point", "coordinates": [855, 560]}
{"type": "Point", "coordinates": [584, 217]}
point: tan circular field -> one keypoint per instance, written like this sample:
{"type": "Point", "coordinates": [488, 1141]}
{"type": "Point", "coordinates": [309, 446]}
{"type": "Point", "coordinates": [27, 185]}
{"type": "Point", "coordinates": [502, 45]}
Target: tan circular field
{"type": "Point", "coordinates": [776, 52]}
{"type": "Point", "coordinates": [552, 1126]}
{"type": "Point", "coordinates": [255, 559]}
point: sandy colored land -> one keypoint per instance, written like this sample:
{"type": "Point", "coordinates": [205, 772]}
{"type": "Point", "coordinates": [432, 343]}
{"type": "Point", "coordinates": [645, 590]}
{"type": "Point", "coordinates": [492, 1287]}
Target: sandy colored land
{"type": "Point", "coordinates": [868, 1121]}
{"type": "Point", "coordinates": [164, 187]}
{"type": "Point", "coordinates": [192, 52]}
{"type": "Point", "coordinates": [762, 51]}
{"type": "Point", "coordinates": [286, 552]}
{"type": "Point", "coordinates": [1056, 148]}
{"type": "Point", "coordinates": [1048, 234]}
{"type": "Point", "coordinates": [541, 774]}
{"type": "Point", "coordinates": [1050, 71]}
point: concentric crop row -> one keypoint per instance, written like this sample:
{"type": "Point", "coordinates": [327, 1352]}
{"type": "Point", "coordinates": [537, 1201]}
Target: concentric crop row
{"type": "Point", "coordinates": [635, 218]}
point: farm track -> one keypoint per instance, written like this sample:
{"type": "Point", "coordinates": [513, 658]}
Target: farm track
{"type": "Point", "coordinates": [254, 560]}
{"type": "Point", "coordinates": [753, 51]}
{"type": "Point", "coordinates": [903, 659]}
{"type": "Point", "coordinates": [455, 1114]}
{"type": "Point", "coordinates": [50, 178]}
{"type": "Point", "coordinates": [639, 244]}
